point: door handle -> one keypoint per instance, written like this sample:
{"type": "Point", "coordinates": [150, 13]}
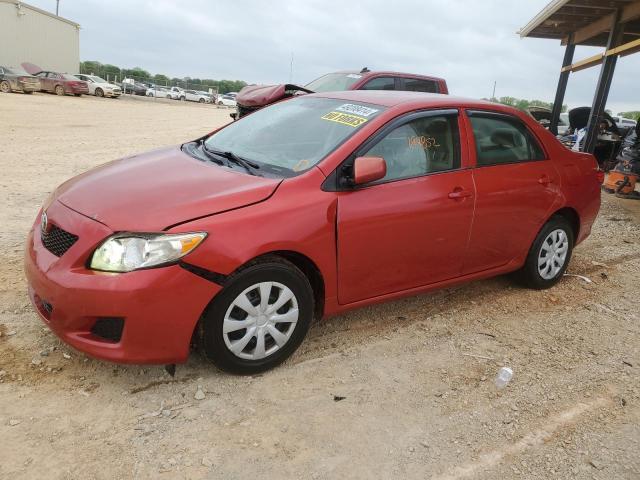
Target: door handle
{"type": "Point", "coordinates": [460, 193]}
{"type": "Point", "coordinates": [545, 180]}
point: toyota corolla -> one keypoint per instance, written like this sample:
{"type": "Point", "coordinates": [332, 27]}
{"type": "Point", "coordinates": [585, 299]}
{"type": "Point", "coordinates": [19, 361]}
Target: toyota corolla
{"type": "Point", "coordinates": [307, 208]}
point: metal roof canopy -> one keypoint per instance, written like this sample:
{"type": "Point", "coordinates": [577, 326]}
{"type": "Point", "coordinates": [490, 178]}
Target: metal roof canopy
{"type": "Point", "coordinates": [613, 24]}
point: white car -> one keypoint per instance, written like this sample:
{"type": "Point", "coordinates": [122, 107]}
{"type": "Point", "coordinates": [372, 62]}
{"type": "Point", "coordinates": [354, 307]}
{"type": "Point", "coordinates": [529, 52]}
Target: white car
{"type": "Point", "coordinates": [99, 86]}
{"type": "Point", "coordinates": [193, 96]}
{"type": "Point", "coordinates": [226, 100]}
{"type": "Point", "coordinates": [160, 92]}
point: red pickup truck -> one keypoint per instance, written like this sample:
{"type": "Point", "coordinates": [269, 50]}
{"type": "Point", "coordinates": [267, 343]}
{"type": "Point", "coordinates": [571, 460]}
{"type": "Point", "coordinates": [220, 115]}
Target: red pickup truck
{"type": "Point", "coordinates": [254, 97]}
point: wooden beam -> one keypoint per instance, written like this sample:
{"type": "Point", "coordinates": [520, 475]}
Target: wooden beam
{"type": "Point", "coordinates": [625, 49]}
{"type": "Point", "coordinates": [630, 12]}
{"type": "Point", "coordinates": [584, 64]}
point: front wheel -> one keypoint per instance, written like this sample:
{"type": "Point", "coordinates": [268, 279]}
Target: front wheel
{"type": "Point", "coordinates": [259, 319]}
{"type": "Point", "coordinates": [5, 87]}
{"type": "Point", "coordinates": [549, 255]}
{"type": "Point", "coordinates": [99, 92]}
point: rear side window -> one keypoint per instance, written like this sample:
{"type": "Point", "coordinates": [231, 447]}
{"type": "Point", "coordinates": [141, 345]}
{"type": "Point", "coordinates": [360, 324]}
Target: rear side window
{"type": "Point", "coordinates": [503, 139]}
{"type": "Point", "coordinates": [380, 83]}
{"type": "Point", "coordinates": [419, 85]}
{"type": "Point", "coordinates": [425, 145]}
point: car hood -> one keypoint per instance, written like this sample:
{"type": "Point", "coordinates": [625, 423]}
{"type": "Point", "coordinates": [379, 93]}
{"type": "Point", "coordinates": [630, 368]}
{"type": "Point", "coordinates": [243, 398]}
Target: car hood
{"type": "Point", "coordinates": [159, 189]}
{"type": "Point", "coordinates": [261, 95]}
{"type": "Point", "coordinates": [30, 68]}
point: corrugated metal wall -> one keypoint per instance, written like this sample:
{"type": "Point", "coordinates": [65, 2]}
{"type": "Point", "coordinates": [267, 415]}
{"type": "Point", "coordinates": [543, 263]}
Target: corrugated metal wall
{"type": "Point", "coordinates": [28, 35]}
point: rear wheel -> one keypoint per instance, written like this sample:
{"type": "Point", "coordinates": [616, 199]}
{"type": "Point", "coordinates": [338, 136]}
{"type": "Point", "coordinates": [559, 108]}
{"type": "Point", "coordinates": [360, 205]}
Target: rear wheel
{"type": "Point", "coordinates": [549, 255]}
{"type": "Point", "coordinates": [201, 100]}
{"type": "Point", "coordinates": [59, 90]}
{"type": "Point", "coordinates": [5, 87]}
{"type": "Point", "coordinates": [99, 92]}
{"type": "Point", "coordinates": [259, 319]}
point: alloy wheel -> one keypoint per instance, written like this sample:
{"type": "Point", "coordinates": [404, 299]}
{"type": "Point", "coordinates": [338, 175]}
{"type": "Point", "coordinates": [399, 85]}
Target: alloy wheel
{"type": "Point", "coordinates": [553, 254]}
{"type": "Point", "coordinates": [4, 86]}
{"type": "Point", "coordinates": [260, 321]}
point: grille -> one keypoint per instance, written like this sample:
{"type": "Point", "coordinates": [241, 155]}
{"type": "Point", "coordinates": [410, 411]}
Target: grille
{"type": "Point", "coordinates": [57, 240]}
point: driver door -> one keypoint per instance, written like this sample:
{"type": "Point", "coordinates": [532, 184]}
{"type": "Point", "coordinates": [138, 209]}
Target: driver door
{"type": "Point", "coordinates": [412, 227]}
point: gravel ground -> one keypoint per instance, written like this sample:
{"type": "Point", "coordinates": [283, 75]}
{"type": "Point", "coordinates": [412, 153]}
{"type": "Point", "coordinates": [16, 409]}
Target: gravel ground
{"type": "Point", "coordinates": [401, 390]}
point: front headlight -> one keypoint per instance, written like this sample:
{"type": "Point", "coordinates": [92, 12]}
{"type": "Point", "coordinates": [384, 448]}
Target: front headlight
{"type": "Point", "coordinates": [125, 252]}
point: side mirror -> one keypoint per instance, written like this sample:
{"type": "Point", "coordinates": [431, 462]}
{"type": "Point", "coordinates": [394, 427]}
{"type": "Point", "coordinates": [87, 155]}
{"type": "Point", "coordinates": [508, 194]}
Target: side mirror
{"type": "Point", "coordinates": [368, 169]}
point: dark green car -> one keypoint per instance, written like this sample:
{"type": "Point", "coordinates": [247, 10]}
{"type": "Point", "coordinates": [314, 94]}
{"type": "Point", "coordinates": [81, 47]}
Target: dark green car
{"type": "Point", "coordinates": [14, 79]}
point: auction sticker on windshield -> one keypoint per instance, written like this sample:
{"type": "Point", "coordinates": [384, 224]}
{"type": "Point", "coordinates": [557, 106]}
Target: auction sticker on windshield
{"type": "Point", "coordinates": [344, 119]}
{"type": "Point", "coordinates": [356, 109]}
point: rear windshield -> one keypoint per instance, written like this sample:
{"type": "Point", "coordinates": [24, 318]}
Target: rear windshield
{"type": "Point", "coordinates": [334, 82]}
{"type": "Point", "coordinates": [292, 136]}
{"type": "Point", "coordinates": [66, 76]}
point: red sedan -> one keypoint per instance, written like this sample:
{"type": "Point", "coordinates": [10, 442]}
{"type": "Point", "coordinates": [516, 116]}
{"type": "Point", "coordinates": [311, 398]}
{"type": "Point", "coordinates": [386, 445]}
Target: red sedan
{"type": "Point", "coordinates": [304, 209]}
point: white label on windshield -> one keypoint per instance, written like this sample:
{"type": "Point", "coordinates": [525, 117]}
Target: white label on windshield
{"type": "Point", "coordinates": [354, 75]}
{"type": "Point", "coordinates": [356, 109]}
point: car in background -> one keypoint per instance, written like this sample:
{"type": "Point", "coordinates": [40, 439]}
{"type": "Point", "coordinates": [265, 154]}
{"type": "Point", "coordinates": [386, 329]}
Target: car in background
{"type": "Point", "coordinates": [134, 88]}
{"type": "Point", "coordinates": [13, 79]}
{"type": "Point", "coordinates": [542, 115]}
{"type": "Point", "coordinates": [99, 86]}
{"type": "Point", "coordinates": [254, 97]}
{"type": "Point", "coordinates": [226, 100]}
{"type": "Point", "coordinates": [158, 92]}
{"type": "Point", "coordinates": [193, 96]}
{"type": "Point", "coordinates": [624, 125]}
{"type": "Point", "coordinates": [307, 208]}
{"type": "Point", "coordinates": [62, 84]}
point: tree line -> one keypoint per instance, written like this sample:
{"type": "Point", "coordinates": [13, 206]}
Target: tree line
{"type": "Point", "coordinates": [523, 104]}
{"type": "Point", "coordinates": [115, 73]}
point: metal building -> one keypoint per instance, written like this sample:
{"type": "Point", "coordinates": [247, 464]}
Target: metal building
{"type": "Point", "coordinates": [29, 34]}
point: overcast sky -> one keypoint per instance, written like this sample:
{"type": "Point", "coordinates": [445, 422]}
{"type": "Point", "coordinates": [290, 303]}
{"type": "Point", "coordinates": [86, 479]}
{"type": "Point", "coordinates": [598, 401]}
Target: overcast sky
{"type": "Point", "coordinates": [471, 43]}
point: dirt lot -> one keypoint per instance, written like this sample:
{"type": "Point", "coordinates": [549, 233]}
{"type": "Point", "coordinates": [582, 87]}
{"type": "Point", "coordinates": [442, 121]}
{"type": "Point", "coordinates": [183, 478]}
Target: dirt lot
{"type": "Point", "coordinates": [416, 375]}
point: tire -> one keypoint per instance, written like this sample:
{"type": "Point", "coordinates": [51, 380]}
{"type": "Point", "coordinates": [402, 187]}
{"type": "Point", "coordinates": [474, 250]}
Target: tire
{"type": "Point", "coordinates": [59, 90]}
{"type": "Point", "coordinates": [549, 273]}
{"type": "Point", "coordinates": [201, 100]}
{"type": "Point", "coordinates": [284, 278]}
{"type": "Point", "coordinates": [220, 103]}
{"type": "Point", "coordinates": [99, 92]}
{"type": "Point", "coordinates": [78, 94]}
{"type": "Point", "coordinates": [5, 87]}
{"type": "Point", "coordinates": [28, 92]}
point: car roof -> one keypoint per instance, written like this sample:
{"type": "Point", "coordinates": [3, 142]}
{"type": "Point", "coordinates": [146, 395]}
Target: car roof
{"type": "Point", "coordinates": [388, 73]}
{"type": "Point", "coordinates": [393, 98]}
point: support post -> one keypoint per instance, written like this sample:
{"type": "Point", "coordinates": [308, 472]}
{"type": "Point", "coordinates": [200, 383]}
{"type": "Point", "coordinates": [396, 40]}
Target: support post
{"type": "Point", "coordinates": [562, 85]}
{"type": "Point", "coordinates": [604, 84]}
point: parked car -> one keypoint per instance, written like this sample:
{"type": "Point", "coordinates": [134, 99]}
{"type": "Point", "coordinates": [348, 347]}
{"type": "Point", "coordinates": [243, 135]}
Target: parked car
{"type": "Point", "coordinates": [99, 86]}
{"type": "Point", "coordinates": [254, 97]}
{"type": "Point", "coordinates": [135, 88]}
{"type": "Point", "coordinates": [14, 79]}
{"type": "Point", "coordinates": [226, 100]}
{"type": "Point", "coordinates": [56, 82]}
{"type": "Point", "coordinates": [624, 125]}
{"type": "Point", "coordinates": [543, 117]}
{"type": "Point", "coordinates": [159, 92]}
{"type": "Point", "coordinates": [307, 208]}
{"type": "Point", "coordinates": [193, 96]}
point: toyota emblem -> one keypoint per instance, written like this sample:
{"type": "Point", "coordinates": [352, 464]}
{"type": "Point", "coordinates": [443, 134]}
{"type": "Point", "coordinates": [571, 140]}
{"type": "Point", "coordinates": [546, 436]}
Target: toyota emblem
{"type": "Point", "coordinates": [44, 223]}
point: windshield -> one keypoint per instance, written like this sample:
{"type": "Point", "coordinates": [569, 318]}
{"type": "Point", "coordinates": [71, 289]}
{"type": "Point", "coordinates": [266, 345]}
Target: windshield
{"type": "Point", "coordinates": [333, 82]}
{"type": "Point", "coordinates": [96, 79]}
{"type": "Point", "coordinates": [292, 136]}
{"type": "Point", "coordinates": [16, 71]}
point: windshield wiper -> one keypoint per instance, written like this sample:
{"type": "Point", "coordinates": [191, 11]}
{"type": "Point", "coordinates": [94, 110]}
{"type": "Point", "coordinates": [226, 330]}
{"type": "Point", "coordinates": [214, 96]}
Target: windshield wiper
{"type": "Point", "coordinates": [210, 154]}
{"type": "Point", "coordinates": [248, 165]}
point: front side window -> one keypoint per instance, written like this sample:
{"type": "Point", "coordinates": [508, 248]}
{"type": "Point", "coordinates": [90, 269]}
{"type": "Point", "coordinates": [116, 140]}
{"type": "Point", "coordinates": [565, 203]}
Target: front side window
{"type": "Point", "coordinates": [419, 85]}
{"type": "Point", "coordinates": [503, 139]}
{"type": "Point", "coordinates": [380, 83]}
{"type": "Point", "coordinates": [425, 145]}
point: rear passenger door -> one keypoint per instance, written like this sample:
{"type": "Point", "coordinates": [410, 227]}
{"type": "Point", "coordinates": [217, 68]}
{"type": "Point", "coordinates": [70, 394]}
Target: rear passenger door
{"type": "Point", "coordinates": [516, 185]}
